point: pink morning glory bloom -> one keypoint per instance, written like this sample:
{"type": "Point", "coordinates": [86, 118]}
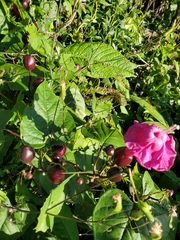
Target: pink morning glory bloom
{"type": "Point", "coordinates": [152, 147]}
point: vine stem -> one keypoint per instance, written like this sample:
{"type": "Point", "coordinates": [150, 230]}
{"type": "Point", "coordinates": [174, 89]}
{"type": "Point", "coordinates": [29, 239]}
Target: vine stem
{"type": "Point", "coordinates": [11, 132]}
{"type": "Point", "coordinates": [71, 197]}
{"type": "Point", "coordinates": [30, 80]}
{"type": "Point", "coordinates": [97, 159]}
{"type": "Point", "coordinates": [80, 171]}
{"type": "Point", "coordinates": [5, 97]}
{"type": "Point", "coordinates": [132, 183]}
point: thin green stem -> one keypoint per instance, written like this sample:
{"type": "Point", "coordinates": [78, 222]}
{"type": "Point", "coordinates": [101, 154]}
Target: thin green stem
{"type": "Point", "coordinates": [132, 183]}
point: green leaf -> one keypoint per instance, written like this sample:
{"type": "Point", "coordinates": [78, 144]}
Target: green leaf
{"type": "Point", "coordinates": [31, 234]}
{"type": "Point", "coordinates": [97, 131]}
{"type": "Point", "coordinates": [100, 132]}
{"type": "Point", "coordinates": [41, 43]}
{"type": "Point", "coordinates": [75, 101]}
{"type": "Point", "coordinates": [18, 78]}
{"type": "Point", "coordinates": [148, 185]}
{"type": "Point", "coordinates": [2, 196]}
{"type": "Point", "coordinates": [23, 191]}
{"type": "Point", "coordinates": [65, 226]}
{"type": "Point", "coordinates": [52, 207]}
{"type": "Point", "coordinates": [4, 13]}
{"type": "Point", "coordinates": [102, 109]}
{"type": "Point", "coordinates": [130, 234]}
{"type": "Point", "coordinates": [44, 118]}
{"type": "Point", "coordinates": [73, 189]}
{"type": "Point", "coordinates": [162, 217]}
{"type": "Point", "coordinates": [149, 188]}
{"type": "Point", "coordinates": [14, 225]}
{"type": "Point", "coordinates": [1, 139]}
{"type": "Point", "coordinates": [23, 13]}
{"type": "Point", "coordinates": [116, 139]}
{"type": "Point", "coordinates": [99, 60]}
{"type": "Point", "coordinates": [5, 116]}
{"type": "Point", "coordinates": [149, 108]}
{"type": "Point", "coordinates": [108, 224]}
{"type": "Point", "coordinates": [84, 209]}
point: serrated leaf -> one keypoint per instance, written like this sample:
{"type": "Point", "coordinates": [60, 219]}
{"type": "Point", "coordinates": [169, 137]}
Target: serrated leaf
{"type": "Point", "coordinates": [52, 207]}
{"type": "Point", "coordinates": [149, 108]}
{"type": "Point", "coordinates": [99, 60]}
{"type": "Point", "coordinates": [44, 118]}
{"type": "Point", "coordinates": [108, 224]}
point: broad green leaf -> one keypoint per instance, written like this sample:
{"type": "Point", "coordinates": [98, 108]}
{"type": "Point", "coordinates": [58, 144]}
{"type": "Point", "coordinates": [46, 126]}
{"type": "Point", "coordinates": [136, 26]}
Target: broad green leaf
{"type": "Point", "coordinates": [4, 13]}
{"type": "Point", "coordinates": [108, 224]}
{"type": "Point", "coordinates": [75, 101]}
{"type": "Point", "coordinates": [5, 116]}
{"type": "Point", "coordinates": [148, 186]}
{"type": "Point", "coordinates": [6, 141]}
{"type": "Point", "coordinates": [44, 118]}
{"type": "Point", "coordinates": [149, 108]}
{"type": "Point", "coordinates": [50, 9]}
{"type": "Point", "coordinates": [18, 76]}
{"type": "Point", "coordinates": [12, 226]}
{"type": "Point", "coordinates": [84, 209]}
{"type": "Point", "coordinates": [130, 234]}
{"type": "Point", "coordinates": [31, 234]}
{"type": "Point", "coordinates": [2, 196]}
{"type": "Point", "coordinates": [80, 142]}
{"type": "Point", "coordinates": [102, 109]}
{"type": "Point", "coordinates": [1, 139]}
{"type": "Point", "coordinates": [84, 159]}
{"type": "Point", "coordinates": [100, 132]}
{"type": "Point", "coordinates": [116, 139]}
{"type": "Point", "coordinates": [41, 43]}
{"type": "Point", "coordinates": [73, 189]}
{"type": "Point", "coordinates": [67, 61]}
{"type": "Point", "coordinates": [65, 226]}
{"type": "Point", "coordinates": [99, 60]}
{"type": "Point", "coordinates": [23, 191]}
{"type": "Point", "coordinates": [52, 207]}
{"type": "Point", "coordinates": [164, 218]}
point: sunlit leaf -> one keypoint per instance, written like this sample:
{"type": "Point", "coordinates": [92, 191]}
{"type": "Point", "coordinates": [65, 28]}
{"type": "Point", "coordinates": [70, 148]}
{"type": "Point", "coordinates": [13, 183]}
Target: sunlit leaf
{"type": "Point", "coordinates": [14, 225]}
{"type": "Point", "coordinates": [108, 224]}
{"type": "Point", "coordinates": [45, 117]}
{"type": "Point", "coordinates": [149, 108]}
{"type": "Point", "coordinates": [99, 60]}
{"type": "Point", "coordinates": [51, 207]}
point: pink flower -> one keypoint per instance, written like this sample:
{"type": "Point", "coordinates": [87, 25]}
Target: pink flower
{"type": "Point", "coordinates": [151, 145]}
